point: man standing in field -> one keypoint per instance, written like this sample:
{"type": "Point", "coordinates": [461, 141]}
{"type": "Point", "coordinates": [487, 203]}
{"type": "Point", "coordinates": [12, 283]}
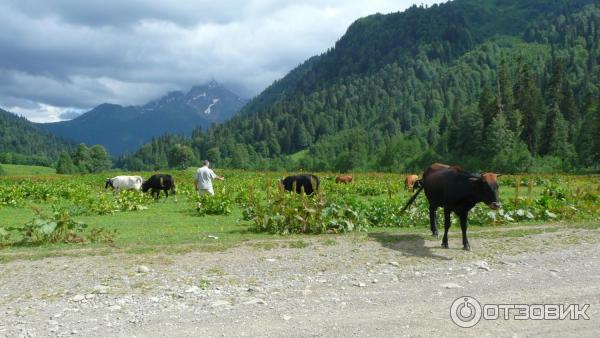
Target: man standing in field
{"type": "Point", "coordinates": [204, 177]}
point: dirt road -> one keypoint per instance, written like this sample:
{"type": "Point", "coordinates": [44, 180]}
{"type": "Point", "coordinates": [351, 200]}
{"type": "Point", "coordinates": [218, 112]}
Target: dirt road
{"type": "Point", "coordinates": [378, 285]}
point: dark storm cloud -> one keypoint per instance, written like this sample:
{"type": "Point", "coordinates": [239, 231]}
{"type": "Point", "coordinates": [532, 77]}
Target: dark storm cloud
{"type": "Point", "coordinates": [60, 55]}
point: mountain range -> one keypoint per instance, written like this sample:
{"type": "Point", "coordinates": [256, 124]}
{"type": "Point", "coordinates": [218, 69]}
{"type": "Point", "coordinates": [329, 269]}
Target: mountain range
{"type": "Point", "coordinates": [125, 128]}
{"type": "Point", "coordinates": [499, 85]}
{"type": "Point", "coordinates": [492, 84]}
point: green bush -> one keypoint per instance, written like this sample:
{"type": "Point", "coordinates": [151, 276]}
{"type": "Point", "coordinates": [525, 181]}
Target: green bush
{"type": "Point", "coordinates": [129, 200]}
{"type": "Point", "coordinates": [57, 228]}
{"type": "Point", "coordinates": [220, 204]}
{"type": "Point", "coordinates": [285, 213]}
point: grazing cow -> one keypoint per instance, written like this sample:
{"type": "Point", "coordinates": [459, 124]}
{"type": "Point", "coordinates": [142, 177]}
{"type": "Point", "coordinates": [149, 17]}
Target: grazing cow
{"type": "Point", "coordinates": [344, 179]}
{"type": "Point", "coordinates": [306, 183]}
{"type": "Point", "coordinates": [410, 182]}
{"type": "Point", "coordinates": [455, 190]}
{"type": "Point", "coordinates": [160, 182]}
{"type": "Point", "coordinates": [119, 183]}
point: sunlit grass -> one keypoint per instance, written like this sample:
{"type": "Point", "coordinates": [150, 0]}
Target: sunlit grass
{"type": "Point", "coordinates": [26, 170]}
{"type": "Point", "coordinates": [175, 227]}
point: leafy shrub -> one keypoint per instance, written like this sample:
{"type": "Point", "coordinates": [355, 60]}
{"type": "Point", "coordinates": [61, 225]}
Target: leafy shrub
{"type": "Point", "coordinates": [343, 218]}
{"type": "Point", "coordinates": [284, 213]}
{"type": "Point", "coordinates": [10, 195]}
{"type": "Point", "coordinates": [131, 201]}
{"type": "Point", "coordinates": [57, 228]}
{"type": "Point", "coordinates": [220, 204]}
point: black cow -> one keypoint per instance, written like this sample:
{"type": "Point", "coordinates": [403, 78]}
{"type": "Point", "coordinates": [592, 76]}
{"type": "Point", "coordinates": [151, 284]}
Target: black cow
{"type": "Point", "coordinates": [455, 190]}
{"type": "Point", "coordinates": [160, 182]}
{"type": "Point", "coordinates": [306, 183]}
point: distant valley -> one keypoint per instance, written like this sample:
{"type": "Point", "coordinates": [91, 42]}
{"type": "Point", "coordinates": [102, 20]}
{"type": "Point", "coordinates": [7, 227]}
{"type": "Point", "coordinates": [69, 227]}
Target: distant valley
{"type": "Point", "coordinates": [125, 128]}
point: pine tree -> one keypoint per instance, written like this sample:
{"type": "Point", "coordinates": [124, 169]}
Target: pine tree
{"type": "Point", "coordinates": [497, 136]}
{"type": "Point", "coordinates": [443, 126]}
{"type": "Point", "coordinates": [568, 107]}
{"type": "Point", "coordinates": [487, 106]}
{"type": "Point", "coordinates": [555, 134]}
{"type": "Point", "coordinates": [505, 91]}
{"type": "Point", "coordinates": [506, 99]}
{"type": "Point", "coordinates": [588, 144]}
{"type": "Point", "coordinates": [300, 137]}
{"type": "Point", "coordinates": [530, 103]}
{"type": "Point", "coordinates": [470, 139]}
{"type": "Point", "coordinates": [556, 83]}
{"type": "Point", "coordinates": [65, 164]}
{"type": "Point", "coordinates": [457, 113]}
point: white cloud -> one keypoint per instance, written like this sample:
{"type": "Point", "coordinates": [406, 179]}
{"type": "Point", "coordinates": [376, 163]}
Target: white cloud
{"type": "Point", "coordinates": [77, 54]}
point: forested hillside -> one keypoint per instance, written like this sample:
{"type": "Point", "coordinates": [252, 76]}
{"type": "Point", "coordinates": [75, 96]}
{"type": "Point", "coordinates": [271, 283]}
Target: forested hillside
{"type": "Point", "coordinates": [22, 142]}
{"type": "Point", "coordinates": [500, 85]}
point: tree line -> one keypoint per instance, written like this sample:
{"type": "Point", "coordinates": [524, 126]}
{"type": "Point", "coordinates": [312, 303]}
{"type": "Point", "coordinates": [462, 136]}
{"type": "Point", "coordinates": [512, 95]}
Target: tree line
{"type": "Point", "coordinates": [83, 160]}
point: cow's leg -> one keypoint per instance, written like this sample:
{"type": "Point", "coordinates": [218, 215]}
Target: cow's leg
{"type": "Point", "coordinates": [155, 193]}
{"type": "Point", "coordinates": [463, 228]}
{"type": "Point", "coordinates": [446, 227]}
{"type": "Point", "coordinates": [166, 194]}
{"type": "Point", "coordinates": [432, 221]}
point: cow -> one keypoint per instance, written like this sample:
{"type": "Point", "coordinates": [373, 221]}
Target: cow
{"type": "Point", "coordinates": [344, 179]}
{"type": "Point", "coordinates": [119, 183]}
{"type": "Point", "coordinates": [306, 183]}
{"type": "Point", "coordinates": [455, 190]}
{"type": "Point", "coordinates": [410, 182]}
{"type": "Point", "coordinates": [160, 182]}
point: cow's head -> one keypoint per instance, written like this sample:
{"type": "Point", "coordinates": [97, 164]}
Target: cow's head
{"type": "Point", "coordinates": [145, 186]}
{"type": "Point", "coordinates": [487, 189]}
{"type": "Point", "coordinates": [108, 183]}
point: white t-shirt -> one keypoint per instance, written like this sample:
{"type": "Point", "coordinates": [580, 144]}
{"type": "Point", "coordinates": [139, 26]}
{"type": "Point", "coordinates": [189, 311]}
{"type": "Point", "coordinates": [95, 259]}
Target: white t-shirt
{"type": "Point", "coordinates": [205, 177]}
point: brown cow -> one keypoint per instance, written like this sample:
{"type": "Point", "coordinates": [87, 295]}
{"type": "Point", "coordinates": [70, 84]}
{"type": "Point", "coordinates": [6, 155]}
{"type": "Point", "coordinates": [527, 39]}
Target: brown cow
{"type": "Point", "coordinates": [409, 182]}
{"type": "Point", "coordinates": [455, 190]}
{"type": "Point", "coordinates": [344, 179]}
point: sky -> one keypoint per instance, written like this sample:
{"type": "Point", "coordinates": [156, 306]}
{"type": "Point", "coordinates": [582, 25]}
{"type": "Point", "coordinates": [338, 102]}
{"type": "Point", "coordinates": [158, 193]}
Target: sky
{"type": "Point", "coordinates": [60, 58]}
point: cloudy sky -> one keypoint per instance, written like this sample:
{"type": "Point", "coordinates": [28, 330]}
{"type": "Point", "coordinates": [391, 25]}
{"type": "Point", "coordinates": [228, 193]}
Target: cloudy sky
{"type": "Point", "coordinates": [61, 57]}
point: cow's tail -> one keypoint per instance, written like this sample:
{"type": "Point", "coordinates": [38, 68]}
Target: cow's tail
{"type": "Point", "coordinates": [414, 197]}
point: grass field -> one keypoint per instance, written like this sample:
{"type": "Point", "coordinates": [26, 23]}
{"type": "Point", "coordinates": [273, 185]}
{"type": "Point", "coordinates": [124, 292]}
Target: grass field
{"type": "Point", "coordinates": [175, 226]}
{"type": "Point", "coordinates": [26, 170]}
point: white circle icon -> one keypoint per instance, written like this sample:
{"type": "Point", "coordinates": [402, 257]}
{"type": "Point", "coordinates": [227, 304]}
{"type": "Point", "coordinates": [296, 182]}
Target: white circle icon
{"type": "Point", "coordinates": [465, 312]}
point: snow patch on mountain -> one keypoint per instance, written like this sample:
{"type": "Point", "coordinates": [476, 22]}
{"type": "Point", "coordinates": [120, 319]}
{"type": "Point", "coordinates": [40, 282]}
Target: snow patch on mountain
{"type": "Point", "coordinates": [207, 111]}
